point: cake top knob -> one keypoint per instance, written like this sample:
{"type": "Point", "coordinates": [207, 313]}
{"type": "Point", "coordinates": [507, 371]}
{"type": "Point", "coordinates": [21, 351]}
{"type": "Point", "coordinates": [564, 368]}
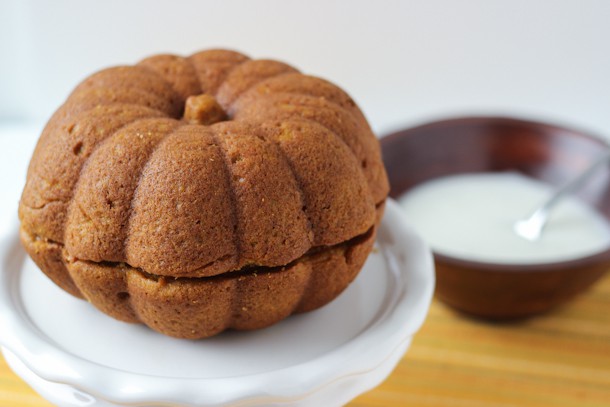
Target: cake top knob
{"type": "Point", "coordinates": [203, 109]}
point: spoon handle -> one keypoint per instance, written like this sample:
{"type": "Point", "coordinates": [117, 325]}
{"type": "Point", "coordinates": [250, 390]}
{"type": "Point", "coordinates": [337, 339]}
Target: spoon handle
{"type": "Point", "coordinates": [576, 182]}
{"type": "Point", "coordinates": [531, 227]}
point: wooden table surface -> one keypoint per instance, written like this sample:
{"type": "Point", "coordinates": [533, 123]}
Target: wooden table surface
{"type": "Point", "coordinates": [559, 359]}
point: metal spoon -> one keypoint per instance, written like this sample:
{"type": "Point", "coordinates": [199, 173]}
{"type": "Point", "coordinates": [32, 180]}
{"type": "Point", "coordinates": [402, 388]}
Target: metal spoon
{"type": "Point", "coordinates": [531, 227]}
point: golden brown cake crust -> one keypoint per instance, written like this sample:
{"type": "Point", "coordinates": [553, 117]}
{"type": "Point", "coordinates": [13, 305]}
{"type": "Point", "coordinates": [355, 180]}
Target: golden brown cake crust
{"type": "Point", "coordinates": [203, 170]}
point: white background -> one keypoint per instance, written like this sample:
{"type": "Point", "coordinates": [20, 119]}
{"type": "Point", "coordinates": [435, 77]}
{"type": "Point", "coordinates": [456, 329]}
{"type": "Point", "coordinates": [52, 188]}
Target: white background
{"type": "Point", "coordinates": [405, 62]}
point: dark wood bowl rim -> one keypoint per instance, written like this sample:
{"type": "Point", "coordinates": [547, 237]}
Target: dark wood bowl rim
{"type": "Point", "coordinates": [556, 266]}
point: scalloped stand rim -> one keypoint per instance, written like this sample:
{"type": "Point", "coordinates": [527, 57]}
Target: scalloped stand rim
{"type": "Point", "coordinates": [387, 309]}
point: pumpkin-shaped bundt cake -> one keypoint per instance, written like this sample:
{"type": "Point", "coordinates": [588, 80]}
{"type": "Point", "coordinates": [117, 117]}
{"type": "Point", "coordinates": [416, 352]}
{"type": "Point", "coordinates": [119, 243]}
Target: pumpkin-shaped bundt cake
{"type": "Point", "coordinates": [196, 194]}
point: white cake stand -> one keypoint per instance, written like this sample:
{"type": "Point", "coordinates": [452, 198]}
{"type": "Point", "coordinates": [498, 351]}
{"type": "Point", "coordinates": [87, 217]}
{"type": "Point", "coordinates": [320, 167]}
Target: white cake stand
{"type": "Point", "coordinates": [74, 355]}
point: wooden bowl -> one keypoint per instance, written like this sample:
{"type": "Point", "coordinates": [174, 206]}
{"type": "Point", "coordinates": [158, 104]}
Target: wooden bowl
{"type": "Point", "coordinates": [485, 144]}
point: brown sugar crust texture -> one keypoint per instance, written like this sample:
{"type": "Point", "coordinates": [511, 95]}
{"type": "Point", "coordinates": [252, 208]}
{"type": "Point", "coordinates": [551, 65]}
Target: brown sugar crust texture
{"type": "Point", "coordinates": [197, 194]}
